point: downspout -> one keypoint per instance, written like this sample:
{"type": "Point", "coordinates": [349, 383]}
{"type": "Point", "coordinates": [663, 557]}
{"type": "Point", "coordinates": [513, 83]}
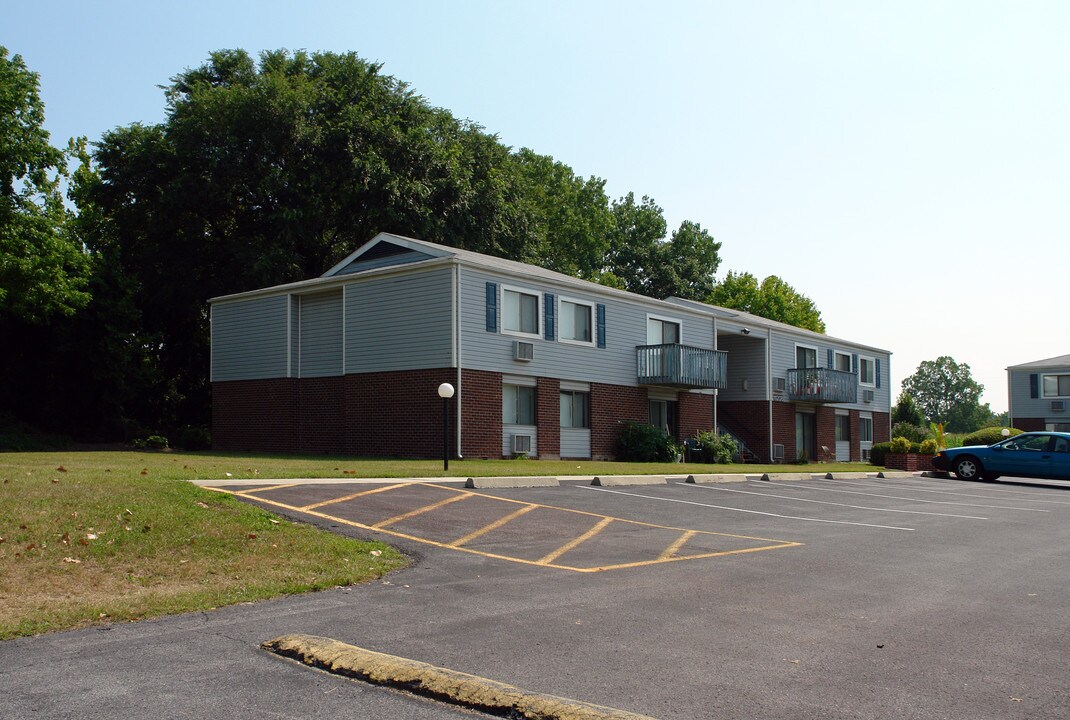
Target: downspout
{"type": "Point", "coordinates": [457, 347]}
{"type": "Point", "coordinates": [724, 379]}
{"type": "Point", "coordinates": [769, 385]}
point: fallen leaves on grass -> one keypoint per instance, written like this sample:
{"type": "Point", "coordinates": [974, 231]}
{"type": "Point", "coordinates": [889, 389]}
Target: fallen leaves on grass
{"type": "Point", "coordinates": [61, 469]}
{"type": "Point", "coordinates": [76, 561]}
{"type": "Point", "coordinates": [376, 553]}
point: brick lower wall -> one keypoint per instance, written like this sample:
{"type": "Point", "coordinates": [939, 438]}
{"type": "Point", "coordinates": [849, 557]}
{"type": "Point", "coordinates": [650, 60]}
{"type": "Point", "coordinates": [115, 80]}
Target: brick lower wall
{"type": "Point", "coordinates": [481, 414]}
{"type": "Point", "coordinates": [610, 406]}
{"type": "Point", "coordinates": [882, 427]}
{"type": "Point", "coordinates": [695, 414]}
{"type": "Point", "coordinates": [397, 414]}
{"type": "Point", "coordinates": [255, 415]}
{"type": "Point", "coordinates": [548, 418]}
{"type": "Point", "coordinates": [1029, 424]}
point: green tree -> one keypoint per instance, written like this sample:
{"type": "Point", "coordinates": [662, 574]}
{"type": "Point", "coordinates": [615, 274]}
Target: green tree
{"type": "Point", "coordinates": [772, 298]}
{"type": "Point", "coordinates": [42, 269]}
{"type": "Point", "coordinates": [907, 411]}
{"type": "Point", "coordinates": [946, 392]}
{"type": "Point", "coordinates": [645, 263]}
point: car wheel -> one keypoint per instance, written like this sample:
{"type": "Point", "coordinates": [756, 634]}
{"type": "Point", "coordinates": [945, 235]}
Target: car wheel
{"type": "Point", "coordinates": [968, 468]}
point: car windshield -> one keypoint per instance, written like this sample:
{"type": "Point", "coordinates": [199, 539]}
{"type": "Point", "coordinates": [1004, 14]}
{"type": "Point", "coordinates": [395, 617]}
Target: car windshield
{"type": "Point", "coordinates": [1036, 443]}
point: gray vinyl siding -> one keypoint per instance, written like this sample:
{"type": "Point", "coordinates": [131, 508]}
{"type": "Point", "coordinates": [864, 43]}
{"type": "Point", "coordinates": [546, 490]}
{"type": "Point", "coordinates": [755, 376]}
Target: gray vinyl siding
{"type": "Point", "coordinates": [249, 339]}
{"type": "Point", "coordinates": [613, 364]}
{"type": "Point", "coordinates": [746, 361]}
{"type": "Point", "coordinates": [1023, 406]}
{"type": "Point", "coordinates": [783, 358]}
{"type": "Point", "coordinates": [360, 265]}
{"type": "Point", "coordinates": [320, 334]}
{"type": "Point", "coordinates": [399, 322]}
{"type": "Point", "coordinates": [507, 438]}
{"type": "Point", "coordinates": [575, 443]}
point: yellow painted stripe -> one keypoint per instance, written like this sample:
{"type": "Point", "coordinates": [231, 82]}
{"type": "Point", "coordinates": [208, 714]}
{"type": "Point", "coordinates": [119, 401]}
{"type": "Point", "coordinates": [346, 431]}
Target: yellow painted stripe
{"type": "Point", "coordinates": [493, 526]}
{"type": "Point", "coordinates": [420, 511]}
{"type": "Point", "coordinates": [272, 487]}
{"type": "Point", "coordinates": [779, 544]}
{"type": "Point", "coordinates": [599, 527]}
{"type": "Point", "coordinates": [672, 549]}
{"type": "Point", "coordinates": [362, 493]}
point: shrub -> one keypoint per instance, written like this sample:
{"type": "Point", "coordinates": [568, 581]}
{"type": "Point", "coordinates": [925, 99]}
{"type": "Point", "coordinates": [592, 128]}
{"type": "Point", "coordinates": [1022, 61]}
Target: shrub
{"type": "Point", "coordinates": [640, 442]}
{"type": "Point", "coordinates": [987, 436]}
{"type": "Point", "coordinates": [879, 452]}
{"type": "Point", "coordinates": [913, 433]}
{"type": "Point", "coordinates": [719, 449]}
{"type": "Point", "coordinates": [195, 438]}
{"type": "Point", "coordinates": [152, 442]}
{"type": "Point", "coordinates": [900, 445]}
{"type": "Point", "coordinates": [928, 447]}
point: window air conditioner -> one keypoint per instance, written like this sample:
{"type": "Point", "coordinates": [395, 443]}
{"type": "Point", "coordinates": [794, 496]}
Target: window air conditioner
{"type": "Point", "coordinates": [521, 444]}
{"type": "Point", "coordinates": [866, 453]}
{"type": "Point", "coordinates": [867, 396]}
{"type": "Point", "coordinates": [523, 351]}
{"type": "Point", "coordinates": [778, 452]}
{"type": "Point", "coordinates": [1058, 405]}
{"type": "Point", "coordinates": [779, 385]}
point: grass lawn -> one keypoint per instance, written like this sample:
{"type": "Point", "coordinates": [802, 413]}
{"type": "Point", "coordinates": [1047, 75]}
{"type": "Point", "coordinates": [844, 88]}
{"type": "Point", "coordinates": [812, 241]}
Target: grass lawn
{"type": "Point", "coordinates": [91, 537]}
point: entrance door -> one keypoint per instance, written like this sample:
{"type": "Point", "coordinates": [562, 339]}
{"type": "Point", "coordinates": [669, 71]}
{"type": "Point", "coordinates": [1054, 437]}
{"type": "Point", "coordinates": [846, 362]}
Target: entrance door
{"type": "Point", "coordinates": [806, 435]}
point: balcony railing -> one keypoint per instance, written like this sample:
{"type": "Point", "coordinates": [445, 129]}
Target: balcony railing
{"type": "Point", "coordinates": [681, 366]}
{"type": "Point", "coordinates": [822, 385]}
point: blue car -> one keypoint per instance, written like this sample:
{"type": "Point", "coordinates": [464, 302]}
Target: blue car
{"type": "Point", "coordinates": [1032, 454]}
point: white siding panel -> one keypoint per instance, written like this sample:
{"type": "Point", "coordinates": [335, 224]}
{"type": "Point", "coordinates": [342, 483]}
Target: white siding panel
{"type": "Point", "coordinates": [507, 438]}
{"type": "Point", "coordinates": [400, 322]}
{"type": "Point", "coordinates": [249, 339]}
{"type": "Point", "coordinates": [575, 443]}
{"type": "Point", "coordinates": [321, 334]}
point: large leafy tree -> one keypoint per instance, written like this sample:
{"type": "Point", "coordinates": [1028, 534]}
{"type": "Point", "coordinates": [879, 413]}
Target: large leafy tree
{"type": "Point", "coordinates": [771, 298]}
{"type": "Point", "coordinates": [42, 269]}
{"type": "Point", "coordinates": [907, 411]}
{"type": "Point", "coordinates": [946, 392]}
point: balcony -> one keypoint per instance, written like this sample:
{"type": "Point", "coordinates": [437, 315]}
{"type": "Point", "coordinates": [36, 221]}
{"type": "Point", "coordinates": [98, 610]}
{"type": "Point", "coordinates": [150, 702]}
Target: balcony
{"type": "Point", "coordinates": [822, 385]}
{"type": "Point", "coordinates": [681, 366]}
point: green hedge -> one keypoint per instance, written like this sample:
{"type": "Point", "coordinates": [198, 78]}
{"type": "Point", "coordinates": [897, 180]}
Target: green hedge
{"type": "Point", "coordinates": [987, 436]}
{"type": "Point", "coordinates": [640, 442]}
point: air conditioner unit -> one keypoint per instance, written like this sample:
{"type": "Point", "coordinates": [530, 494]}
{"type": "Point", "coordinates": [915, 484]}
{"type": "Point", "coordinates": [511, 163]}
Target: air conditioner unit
{"type": "Point", "coordinates": [778, 452]}
{"type": "Point", "coordinates": [523, 351]}
{"type": "Point", "coordinates": [1058, 405]}
{"type": "Point", "coordinates": [867, 396]}
{"type": "Point", "coordinates": [866, 453]}
{"type": "Point", "coordinates": [521, 444]}
{"type": "Point", "coordinates": [779, 385]}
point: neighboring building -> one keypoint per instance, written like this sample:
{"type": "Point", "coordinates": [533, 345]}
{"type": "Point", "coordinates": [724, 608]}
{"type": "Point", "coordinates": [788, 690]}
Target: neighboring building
{"type": "Point", "coordinates": [544, 364]}
{"type": "Point", "coordinates": [1039, 394]}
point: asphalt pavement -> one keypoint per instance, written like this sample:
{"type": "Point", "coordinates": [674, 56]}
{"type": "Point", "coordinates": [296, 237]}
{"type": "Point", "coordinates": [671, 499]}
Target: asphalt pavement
{"type": "Point", "coordinates": [906, 598]}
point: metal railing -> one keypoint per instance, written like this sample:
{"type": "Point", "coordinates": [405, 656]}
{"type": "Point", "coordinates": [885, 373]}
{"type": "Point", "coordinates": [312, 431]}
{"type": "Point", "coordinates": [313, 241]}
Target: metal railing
{"type": "Point", "coordinates": [822, 385]}
{"type": "Point", "coordinates": [683, 366]}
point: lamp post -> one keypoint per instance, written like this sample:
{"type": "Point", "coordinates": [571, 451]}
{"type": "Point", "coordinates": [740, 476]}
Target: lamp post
{"type": "Point", "coordinates": [445, 391]}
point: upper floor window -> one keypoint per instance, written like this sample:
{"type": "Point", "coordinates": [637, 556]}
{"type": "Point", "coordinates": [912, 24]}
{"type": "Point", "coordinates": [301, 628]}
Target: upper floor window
{"type": "Point", "coordinates": [843, 362]}
{"type": "Point", "coordinates": [1057, 386]}
{"type": "Point", "coordinates": [576, 322]}
{"type": "Point", "coordinates": [805, 357]}
{"type": "Point", "coordinates": [520, 312]}
{"type": "Point", "coordinates": [662, 331]}
{"type": "Point", "coordinates": [867, 371]}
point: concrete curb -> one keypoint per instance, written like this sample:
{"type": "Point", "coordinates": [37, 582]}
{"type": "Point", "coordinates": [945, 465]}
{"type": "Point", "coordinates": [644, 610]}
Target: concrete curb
{"type": "Point", "coordinates": [511, 482]}
{"type": "Point", "coordinates": [716, 478]}
{"type": "Point", "coordinates": [788, 476]}
{"type": "Point", "coordinates": [895, 474]}
{"type": "Point", "coordinates": [615, 480]}
{"type": "Point", "coordinates": [847, 476]}
{"type": "Point", "coordinates": [943, 474]}
{"type": "Point", "coordinates": [451, 686]}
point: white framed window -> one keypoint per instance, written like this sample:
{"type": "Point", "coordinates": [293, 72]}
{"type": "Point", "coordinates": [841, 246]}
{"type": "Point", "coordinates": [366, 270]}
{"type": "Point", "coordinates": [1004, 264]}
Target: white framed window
{"type": "Point", "coordinates": [842, 361]}
{"type": "Point", "coordinates": [575, 409]}
{"type": "Point", "coordinates": [521, 312]}
{"type": "Point", "coordinates": [867, 371]}
{"type": "Point", "coordinates": [865, 429]}
{"type": "Point", "coordinates": [518, 404]}
{"type": "Point", "coordinates": [843, 428]}
{"type": "Point", "coordinates": [663, 330]}
{"type": "Point", "coordinates": [576, 321]}
{"type": "Point", "coordinates": [805, 356]}
{"type": "Point", "coordinates": [1056, 386]}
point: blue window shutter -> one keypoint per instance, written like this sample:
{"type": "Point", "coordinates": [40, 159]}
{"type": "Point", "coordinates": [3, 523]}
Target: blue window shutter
{"type": "Point", "coordinates": [854, 364]}
{"type": "Point", "coordinates": [548, 314]}
{"type": "Point", "coordinates": [831, 361]}
{"type": "Point", "coordinates": [492, 307]}
{"type": "Point", "coordinates": [601, 312]}
{"type": "Point", "coordinates": [877, 370]}
{"type": "Point", "coordinates": [1034, 386]}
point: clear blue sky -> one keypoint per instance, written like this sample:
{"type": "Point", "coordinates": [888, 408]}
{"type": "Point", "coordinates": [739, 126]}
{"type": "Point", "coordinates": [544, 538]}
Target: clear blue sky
{"type": "Point", "coordinates": [906, 165]}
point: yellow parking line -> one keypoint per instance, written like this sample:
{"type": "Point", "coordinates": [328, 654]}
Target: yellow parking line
{"type": "Point", "coordinates": [599, 527]}
{"type": "Point", "coordinates": [672, 549]}
{"type": "Point", "coordinates": [272, 487]}
{"type": "Point", "coordinates": [313, 506]}
{"type": "Point", "coordinates": [420, 511]}
{"type": "Point", "coordinates": [493, 526]}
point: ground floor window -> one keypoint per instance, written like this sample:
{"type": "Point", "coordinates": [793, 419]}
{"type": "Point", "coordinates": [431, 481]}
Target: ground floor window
{"type": "Point", "coordinates": [843, 428]}
{"type": "Point", "coordinates": [663, 415]}
{"type": "Point", "coordinates": [575, 409]}
{"type": "Point", "coordinates": [518, 405]}
{"type": "Point", "coordinates": [865, 429]}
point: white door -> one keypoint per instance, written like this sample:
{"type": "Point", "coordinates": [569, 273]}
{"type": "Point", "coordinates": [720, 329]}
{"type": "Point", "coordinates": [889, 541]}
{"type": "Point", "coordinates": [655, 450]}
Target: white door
{"type": "Point", "coordinates": [843, 438]}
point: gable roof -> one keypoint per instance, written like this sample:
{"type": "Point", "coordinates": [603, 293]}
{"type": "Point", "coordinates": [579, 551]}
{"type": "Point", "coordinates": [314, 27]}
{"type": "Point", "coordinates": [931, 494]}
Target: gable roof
{"type": "Point", "coordinates": [1061, 361]}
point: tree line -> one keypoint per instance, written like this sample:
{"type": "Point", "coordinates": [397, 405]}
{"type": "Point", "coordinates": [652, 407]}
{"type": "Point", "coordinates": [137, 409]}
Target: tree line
{"type": "Point", "coordinates": [267, 171]}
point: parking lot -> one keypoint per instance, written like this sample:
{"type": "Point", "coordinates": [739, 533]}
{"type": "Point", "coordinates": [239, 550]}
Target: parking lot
{"type": "Point", "coordinates": [868, 598]}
